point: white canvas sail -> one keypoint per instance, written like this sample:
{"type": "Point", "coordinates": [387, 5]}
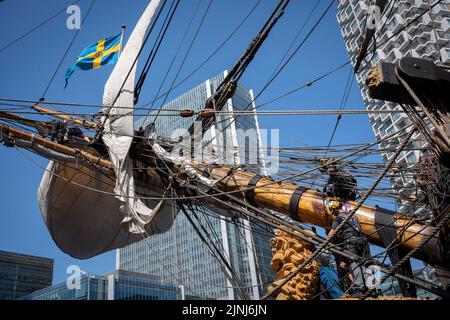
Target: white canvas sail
{"type": "Point", "coordinates": [118, 98]}
{"type": "Point", "coordinates": [82, 214]}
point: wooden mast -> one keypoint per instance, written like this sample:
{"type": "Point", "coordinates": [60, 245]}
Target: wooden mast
{"type": "Point", "coordinates": [307, 205]}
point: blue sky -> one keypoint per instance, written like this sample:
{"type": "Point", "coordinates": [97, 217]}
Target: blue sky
{"type": "Point", "coordinates": [27, 66]}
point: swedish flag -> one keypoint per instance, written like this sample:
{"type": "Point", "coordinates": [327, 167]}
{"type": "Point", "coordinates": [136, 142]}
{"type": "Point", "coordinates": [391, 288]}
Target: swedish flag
{"type": "Point", "coordinates": [103, 52]}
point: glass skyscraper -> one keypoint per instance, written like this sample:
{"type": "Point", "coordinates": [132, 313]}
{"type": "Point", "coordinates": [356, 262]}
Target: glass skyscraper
{"type": "Point", "coordinates": [427, 38]}
{"type": "Point", "coordinates": [117, 285]}
{"type": "Point", "coordinates": [91, 288]}
{"type": "Point", "coordinates": [179, 256]}
{"type": "Point", "coordinates": [126, 285]}
{"type": "Point", "coordinates": [21, 274]}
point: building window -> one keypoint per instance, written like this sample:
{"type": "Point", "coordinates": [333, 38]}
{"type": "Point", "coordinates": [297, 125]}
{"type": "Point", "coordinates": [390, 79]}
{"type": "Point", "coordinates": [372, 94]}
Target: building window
{"type": "Point", "coordinates": [391, 57]}
{"type": "Point", "coordinates": [353, 25]}
{"type": "Point", "coordinates": [411, 158]}
{"type": "Point", "coordinates": [358, 9]}
{"type": "Point", "coordinates": [430, 48]}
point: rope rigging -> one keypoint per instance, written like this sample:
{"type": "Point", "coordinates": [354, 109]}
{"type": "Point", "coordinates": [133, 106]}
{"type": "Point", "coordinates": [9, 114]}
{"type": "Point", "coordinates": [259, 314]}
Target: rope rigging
{"type": "Point", "coordinates": [210, 56]}
{"type": "Point", "coordinates": [36, 27]}
{"type": "Point", "coordinates": [186, 54]}
{"type": "Point", "coordinates": [277, 73]}
{"type": "Point", "coordinates": [349, 216]}
{"type": "Point", "coordinates": [154, 51]}
{"type": "Point", "coordinates": [67, 51]}
{"type": "Point", "coordinates": [146, 38]}
{"type": "Point", "coordinates": [302, 165]}
{"type": "Point", "coordinates": [227, 87]}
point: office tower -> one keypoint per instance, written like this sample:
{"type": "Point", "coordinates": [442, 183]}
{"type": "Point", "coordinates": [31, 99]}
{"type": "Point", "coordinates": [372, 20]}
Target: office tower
{"type": "Point", "coordinates": [90, 287]}
{"type": "Point", "coordinates": [391, 287]}
{"type": "Point", "coordinates": [179, 256]}
{"type": "Point", "coordinates": [117, 285]}
{"type": "Point", "coordinates": [21, 274]}
{"type": "Point", "coordinates": [427, 38]}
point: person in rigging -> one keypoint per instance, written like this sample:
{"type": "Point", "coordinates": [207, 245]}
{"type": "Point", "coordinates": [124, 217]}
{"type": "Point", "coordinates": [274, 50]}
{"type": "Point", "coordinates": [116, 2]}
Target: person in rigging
{"type": "Point", "coordinates": [63, 132]}
{"type": "Point", "coordinates": [340, 190]}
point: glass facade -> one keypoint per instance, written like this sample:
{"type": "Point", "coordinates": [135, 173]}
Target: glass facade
{"type": "Point", "coordinates": [118, 285]}
{"type": "Point", "coordinates": [91, 288]}
{"type": "Point", "coordinates": [21, 274]}
{"type": "Point", "coordinates": [179, 256]}
{"type": "Point", "coordinates": [227, 131]}
{"type": "Point", "coordinates": [427, 38]}
{"type": "Point", "coordinates": [135, 286]}
{"type": "Point", "coordinates": [391, 287]}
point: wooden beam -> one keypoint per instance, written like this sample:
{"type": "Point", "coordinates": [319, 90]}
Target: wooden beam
{"type": "Point", "coordinates": [14, 133]}
{"type": "Point", "coordinates": [85, 123]}
{"type": "Point", "coordinates": [311, 209]}
{"type": "Point", "coordinates": [41, 126]}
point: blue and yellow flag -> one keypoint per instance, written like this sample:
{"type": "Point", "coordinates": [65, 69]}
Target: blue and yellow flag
{"type": "Point", "coordinates": [103, 52]}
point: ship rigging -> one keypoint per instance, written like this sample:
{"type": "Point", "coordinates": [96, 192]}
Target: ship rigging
{"type": "Point", "coordinates": [123, 184]}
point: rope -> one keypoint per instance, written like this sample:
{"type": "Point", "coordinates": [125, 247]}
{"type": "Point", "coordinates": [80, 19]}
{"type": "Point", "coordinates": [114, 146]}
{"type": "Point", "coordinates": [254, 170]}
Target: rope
{"type": "Point", "coordinates": [422, 243]}
{"type": "Point", "coordinates": [185, 56]}
{"type": "Point", "coordinates": [346, 220]}
{"type": "Point", "coordinates": [67, 50]}
{"type": "Point", "coordinates": [36, 27]}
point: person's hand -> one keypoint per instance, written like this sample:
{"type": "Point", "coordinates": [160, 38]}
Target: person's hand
{"type": "Point", "coordinates": [331, 234]}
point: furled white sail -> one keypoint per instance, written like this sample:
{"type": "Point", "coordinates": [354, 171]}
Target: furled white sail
{"type": "Point", "coordinates": [118, 98]}
{"type": "Point", "coordinates": [82, 215]}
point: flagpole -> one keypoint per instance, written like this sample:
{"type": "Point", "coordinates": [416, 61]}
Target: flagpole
{"type": "Point", "coordinates": [121, 39]}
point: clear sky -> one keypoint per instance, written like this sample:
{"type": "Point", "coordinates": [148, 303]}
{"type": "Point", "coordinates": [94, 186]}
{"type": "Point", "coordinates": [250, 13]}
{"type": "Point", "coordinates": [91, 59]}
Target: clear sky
{"type": "Point", "coordinates": [27, 67]}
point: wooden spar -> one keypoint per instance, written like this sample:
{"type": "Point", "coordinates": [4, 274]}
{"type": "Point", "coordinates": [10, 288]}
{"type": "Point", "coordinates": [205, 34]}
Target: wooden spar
{"type": "Point", "coordinates": [301, 204]}
{"type": "Point", "coordinates": [306, 205]}
{"type": "Point", "coordinates": [14, 133]}
{"type": "Point", "coordinates": [28, 122]}
{"type": "Point", "coordinates": [85, 123]}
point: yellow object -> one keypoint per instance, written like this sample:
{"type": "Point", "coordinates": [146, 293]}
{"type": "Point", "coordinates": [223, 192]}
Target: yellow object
{"type": "Point", "coordinates": [288, 253]}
